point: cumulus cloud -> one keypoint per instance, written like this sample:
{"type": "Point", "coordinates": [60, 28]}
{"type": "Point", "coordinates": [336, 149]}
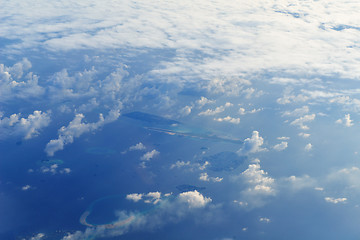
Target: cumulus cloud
{"type": "Point", "coordinates": [264, 219]}
{"type": "Point", "coordinates": [205, 177]}
{"type": "Point", "coordinates": [228, 119]}
{"type": "Point", "coordinates": [185, 110]}
{"type": "Point", "coordinates": [252, 145]}
{"type": "Point", "coordinates": [27, 127]}
{"type": "Point", "coordinates": [220, 109]}
{"type": "Point", "coordinates": [297, 183]}
{"type": "Point", "coordinates": [169, 209]}
{"type": "Point", "coordinates": [203, 101]}
{"type": "Point", "coordinates": [304, 135]}
{"type": "Point", "coordinates": [335, 200]}
{"type": "Point", "coordinates": [54, 169]}
{"type": "Point", "coordinates": [194, 199]}
{"type": "Point", "coordinates": [76, 128]}
{"type": "Point", "coordinates": [38, 236]}
{"type": "Point", "coordinates": [347, 178]}
{"type": "Point", "coordinates": [180, 164]}
{"type": "Point", "coordinates": [13, 83]}
{"type": "Point", "coordinates": [139, 146]}
{"type": "Point", "coordinates": [300, 122]}
{"type": "Point", "coordinates": [231, 87]}
{"type": "Point", "coordinates": [242, 111]}
{"type": "Point", "coordinates": [297, 112]}
{"type": "Point", "coordinates": [308, 147]}
{"type": "Point", "coordinates": [226, 42]}
{"type": "Point", "coordinates": [26, 187]}
{"type": "Point", "coordinates": [259, 186]}
{"type": "Point", "coordinates": [346, 121]}
{"type": "Point", "coordinates": [149, 155]}
{"type": "Point", "coordinates": [134, 197]}
{"type": "Point", "coordinates": [281, 146]}
{"type": "Point", "coordinates": [283, 138]}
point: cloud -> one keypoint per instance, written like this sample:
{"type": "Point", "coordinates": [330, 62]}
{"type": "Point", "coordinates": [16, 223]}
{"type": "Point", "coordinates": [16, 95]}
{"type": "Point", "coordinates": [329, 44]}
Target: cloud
{"type": "Point", "coordinates": [205, 177]}
{"type": "Point", "coordinates": [149, 155]}
{"type": "Point", "coordinates": [54, 169]}
{"type": "Point", "coordinates": [220, 109]}
{"type": "Point", "coordinates": [185, 110]}
{"type": "Point", "coordinates": [38, 236]}
{"type": "Point", "coordinates": [138, 146]}
{"type": "Point", "coordinates": [346, 121]}
{"type": "Point", "coordinates": [304, 135]}
{"type": "Point", "coordinates": [180, 164]}
{"type": "Point", "coordinates": [194, 199]}
{"type": "Point", "coordinates": [345, 179]}
{"type": "Point", "coordinates": [264, 220]}
{"type": "Point", "coordinates": [26, 187]}
{"type": "Point", "coordinates": [27, 127]}
{"type": "Point", "coordinates": [259, 186]}
{"type": "Point", "coordinates": [230, 87]}
{"type": "Point", "coordinates": [228, 119]}
{"type": "Point", "coordinates": [76, 128]}
{"type": "Point", "coordinates": [300, 121]}
{"type": "Point", "coordinates": [134, 197]}
{"type": "Point", "coordinates": [295, 183]}
{"type": "Point", "coordinates": [297, 112]}
{"type": "Point", "coordinates": [335, 200]}
{"type": "Point", "coordinates": [281, 45]}
{"type": "Point", "coordinates": [242, 111]}
{"type": "Point", "coordinates": [203, 101]}
{"type": "Point", "coordinates": [281, 146]}
{"type": "Point", "coordinates": [252, 145]}
{"type": "Point", "coordinates": [169, 208]}
{"type": "Point", "coordinates": [283, 138]}
{"type": "Point", "coordinates": [13, 83]}
{"type": "Point", "coordinates": [308, 147]}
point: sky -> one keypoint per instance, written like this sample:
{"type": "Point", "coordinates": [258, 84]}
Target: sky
{"type": "Point", "coordinates": [137, 119]}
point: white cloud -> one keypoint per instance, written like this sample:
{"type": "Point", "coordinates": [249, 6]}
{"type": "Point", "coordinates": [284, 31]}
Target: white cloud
{"type": "Point", "coordinates": [220, 109]}
{"type": "Point", "coordinates": [283, 138]}
{"type": "Point", "coordinates": [13, 83]}
{"type": "Point", "coordinates": [139, 146]}
{"type": "Point", "coordinates": [205, 177]}
{"type": "Point", "coordinates": [228, 119]}
{"type": "Point", "coordinates": [26, 187]}
{"type": "Point", "coordinates": [252, 145]}
{"type": "Point", "coordinates": [242, 111]}
{"type": "Point", "coordinates": [27, 127]}
{"type": "Point", "coordinates": [185, 110]}
{"type": "Point", "coordinates": [304, 135]}
{"type": "Point", "coordinates": [194, 199]}
{"type": "Point", "coordinates": [38, 236]}
{"type": "Point", "coordinates": [295, 183]}
{"type": "Point", "coordinates": [297, 112]}
{"type": "Point", "coordinates": [54, 169]}
{"type": "Point", "coordinates": [180, 164]}
{"type": "Point", "coordinates": [169, 209]}
{"type": "Point", "coordinates": [203, 101]}
{"type": "Point", "coordinates": [76, 128]}
{"type": "Point", "coordinates": [231, 87]}
{"type": "Point", "coordinates": [308, 147]}
{"type": "Point", "coordinates": [281, 146]}
{"type": "Point", "coordinates": [149, 155]}
{"type": "Point", "coordinates": [264, 219]}
{"type": "Point", "coordinates": [346, 121]}
{"type": "Point", "coordinates": [282, 45]}
{"type": "Point", "coordinates": [347, 178]}
{"type": "Point", "coordinates": [335, 200]}
{"type": "Point", "coordinates": [300, 121]}
{"type": "Point", "coordinates": [134, 197]}
{"type": "Point", "coordinates": [259, 186]}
